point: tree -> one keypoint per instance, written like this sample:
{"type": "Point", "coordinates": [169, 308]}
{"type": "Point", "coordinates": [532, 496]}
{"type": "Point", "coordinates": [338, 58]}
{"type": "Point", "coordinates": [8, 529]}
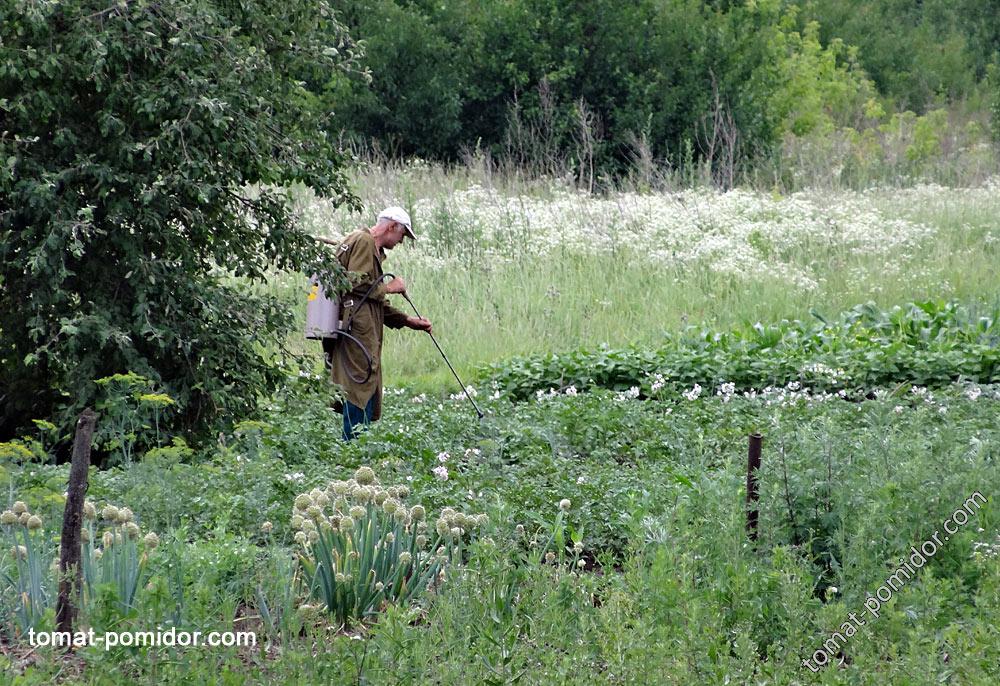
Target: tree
{"type": "Point", "coordinates": [145, 152]}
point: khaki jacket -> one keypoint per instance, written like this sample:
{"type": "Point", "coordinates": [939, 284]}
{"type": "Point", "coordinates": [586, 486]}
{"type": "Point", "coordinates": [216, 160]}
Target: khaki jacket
{"type": "Point", "coordinates": [358, 254]}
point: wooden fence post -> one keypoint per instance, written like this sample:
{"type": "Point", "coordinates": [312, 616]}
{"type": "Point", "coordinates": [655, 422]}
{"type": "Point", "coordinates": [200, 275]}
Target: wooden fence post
{"type": "Point", "coordinates": [753, 464]}
{"type": "Point", "coordinates": [70, 572]}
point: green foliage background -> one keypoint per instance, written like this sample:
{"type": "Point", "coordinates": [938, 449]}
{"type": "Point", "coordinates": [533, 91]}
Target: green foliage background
{"type": "Point", "coordinates": [450, 77]}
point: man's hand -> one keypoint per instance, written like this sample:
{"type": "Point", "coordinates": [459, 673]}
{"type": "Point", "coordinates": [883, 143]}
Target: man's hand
{"type": "Point", "coordinates": [419, 324]}
{"type": "Point", "coordinates": [397, 285]}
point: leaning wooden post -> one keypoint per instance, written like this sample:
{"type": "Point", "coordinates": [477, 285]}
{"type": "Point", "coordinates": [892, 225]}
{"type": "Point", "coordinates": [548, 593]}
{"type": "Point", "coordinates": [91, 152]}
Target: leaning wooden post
{"type": "Point", "coordinates": [70, 572]}
{"type": "Point", "coordinates": [753, 464]}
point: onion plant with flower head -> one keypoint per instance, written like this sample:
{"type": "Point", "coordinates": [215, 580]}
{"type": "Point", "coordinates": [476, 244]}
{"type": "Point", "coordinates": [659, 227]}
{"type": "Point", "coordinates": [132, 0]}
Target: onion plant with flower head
{"type": "Point", "coordinates": [118, 558]}
{"type": "Point", "coordinates": [362, 547]}
{"type": "Point", "coordinates": [26, 580]}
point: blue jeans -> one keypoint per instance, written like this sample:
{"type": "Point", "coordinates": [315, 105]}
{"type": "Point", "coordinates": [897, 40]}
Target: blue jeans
{"type": "Point", "coordinates": [354, 417]}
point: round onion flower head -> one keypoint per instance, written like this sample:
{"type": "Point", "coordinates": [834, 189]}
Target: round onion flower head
{"type": "Point", "coordinates": [313, 536]}
{"type": "Point", "coordinates": [108, 539]}
{"type": "Point", "coordinates": [20, 552]}
{"type": "Point", "coordinates": [132, 529]}
{"type": "Point", "coordinates": [402, 492]}
{"type": "Point", "coordinates": [151, 540]}
{"type": "Point", "coordinates": [358, 512]}
{"type": "Point", "coordinates": [7, 517]}
{"type": "Point", "coordinates": [314, 494]}
{"type": "Point", "coordinates": [302, 501]}
{"type": "Point", "coordinates": [578, 547]}
{"type": "Point", "coordinates": [346, 523]}
{"type": "Point", "coordinates": [405, 558]}
{"type": "Point", "coordinates": [550, 558]}
{"type": "Point", "coordinates": [89, 511]}
{"type": "Point", "coordinates": [98, 554]}
{"type": "Point", "coordinates": [364, 475]}
{"type": "Point", "coordinates": [266, 527]}
{"type": "Point", "coordinates": [34, 522]}
{"type": "Point", "coordinates": [519, 529]}
{"type": "Point", "coordinates": [110, 513]}
{"type": "Point", "coordinates": [482, 519]}
{"type": "Point", "coordinates": [421, 541]}
{"type": "Point", "coordinates": [390, 505]}
{"type": "Point", "coordinates": [19, 507]}
{"type": "Point", "coordinates": [23, 519]}
{"type": "Point", "coordinates": [402, 516]}
{"type": "Point", "coordinates": [417, 513]}
{"type": "Point", "coordinates": [125, 515]}
{"type": "Point", "coordinates": [390, 538]}
{"type": "Point", "coordinates": [322, 500]}
{"type": "Point", "coordinates": [364, 494]}
{"type": "Point", "coordinates": [580, 564]}
{"type": "Point", "coordinates": [300, 537]}
{"type": "Point", "coordinates": [314, 511]}
{"type": "Point", "coordinates": [118, 538]}
{"type": "Point", "coordinates": [565, 504]}
{"type": "Point", "coordinates": [380, 497]}
{"type": "Point", "coordinates": [456, 532]}
{"type": "Point", "coordinates": [341, 488]}
{"type": "Point", "coordinates": [442, 527]}
{"type": "Point", "coordinates": [326, 525]}
{"type": "Point", "coordinates": [447, 513]}
{"type": "Point", "coordinates": [379, 586]}
{"type": "Point", "coordinates": [297, 521]}
{"type": "Point", "coordinates": [421, 527]}
{"type": "Point", "coordinates": [308, 525]}
{"type": "Point", "coordinates": [341, 578]}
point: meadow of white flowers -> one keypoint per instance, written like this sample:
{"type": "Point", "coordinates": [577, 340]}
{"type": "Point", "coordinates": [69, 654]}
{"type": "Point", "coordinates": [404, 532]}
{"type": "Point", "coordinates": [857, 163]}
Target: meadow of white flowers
{"type": "Point", "coordinates": [740, 232]}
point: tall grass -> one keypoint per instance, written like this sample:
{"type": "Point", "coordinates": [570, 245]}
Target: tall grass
{"type": "Point", "coordinates": [477, 272]}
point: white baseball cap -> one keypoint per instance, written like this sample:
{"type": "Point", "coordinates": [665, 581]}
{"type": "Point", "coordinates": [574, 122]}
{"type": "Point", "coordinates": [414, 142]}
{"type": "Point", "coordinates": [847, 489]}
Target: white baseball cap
{"type": "Point", "coordinates": [398, 214]}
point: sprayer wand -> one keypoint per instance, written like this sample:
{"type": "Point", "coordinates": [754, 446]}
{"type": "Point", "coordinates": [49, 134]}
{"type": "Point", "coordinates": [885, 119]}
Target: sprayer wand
{"type": "Point", "coordinates": [464, 389]}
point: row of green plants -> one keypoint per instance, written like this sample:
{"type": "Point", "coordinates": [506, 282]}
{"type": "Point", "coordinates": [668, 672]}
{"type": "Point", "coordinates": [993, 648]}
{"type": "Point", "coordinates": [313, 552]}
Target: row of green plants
{"type": "Point", "coordinates": [358, 547]}
{"type": "Point", "coordinates": [925, 343]}
{"type": "Point", "coordinates": [115, 561]}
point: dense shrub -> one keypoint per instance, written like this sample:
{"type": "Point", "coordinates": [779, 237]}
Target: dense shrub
{"type": "Point", "coordinates": [558, 86]}
{"type": "Point", "coordinates": [145, 151]}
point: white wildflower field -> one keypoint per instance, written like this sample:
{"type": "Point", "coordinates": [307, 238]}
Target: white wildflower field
{"type": "Point", "coordinates": [511, 272]}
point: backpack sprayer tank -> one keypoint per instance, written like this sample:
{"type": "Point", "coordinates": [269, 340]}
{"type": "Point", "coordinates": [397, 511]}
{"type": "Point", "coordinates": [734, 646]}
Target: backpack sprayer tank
{"type": "Point", "coordinates": [322, 313]}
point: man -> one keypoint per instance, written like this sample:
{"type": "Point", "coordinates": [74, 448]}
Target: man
{"type": "Point", "coordinates": [362, 252]}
